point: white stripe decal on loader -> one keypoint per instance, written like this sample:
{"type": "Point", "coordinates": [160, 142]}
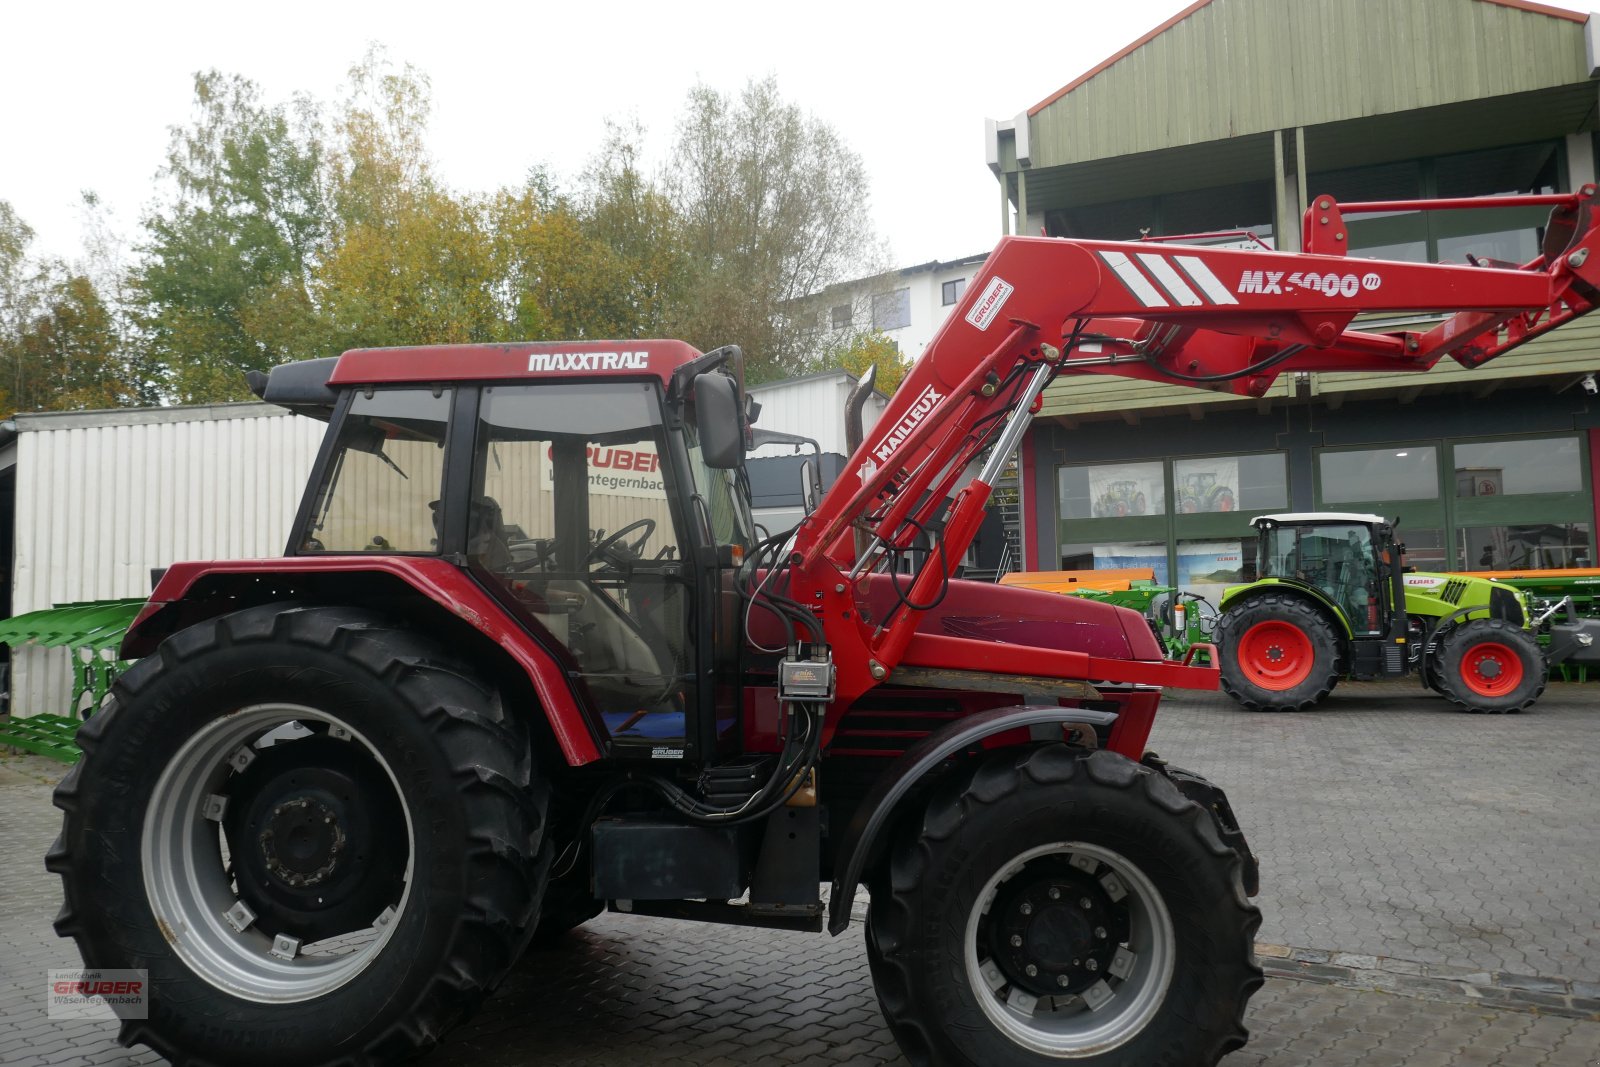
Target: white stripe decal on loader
{"type": "Point", "coordinates": [1136, 282]}
{"type": "Point", "coordinates": [1201, 274]}
{"type": "Point", "coordinates": [1169, 279]}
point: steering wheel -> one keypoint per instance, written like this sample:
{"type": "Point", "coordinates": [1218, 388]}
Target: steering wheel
{"type": "Point", "coordinates": [607, 548]}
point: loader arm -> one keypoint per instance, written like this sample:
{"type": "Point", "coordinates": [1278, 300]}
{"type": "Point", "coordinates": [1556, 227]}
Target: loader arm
{"type": "Point", "coordinates": [1216, 318]}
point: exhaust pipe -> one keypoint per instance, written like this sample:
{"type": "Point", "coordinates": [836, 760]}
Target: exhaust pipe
{"type": "Point", "coordinates": [854, 433]}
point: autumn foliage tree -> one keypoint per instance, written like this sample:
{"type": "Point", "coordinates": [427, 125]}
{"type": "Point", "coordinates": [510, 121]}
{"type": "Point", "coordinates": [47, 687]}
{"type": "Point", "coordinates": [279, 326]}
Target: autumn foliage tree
{"type": "Point", "coordinates": [285, 231]}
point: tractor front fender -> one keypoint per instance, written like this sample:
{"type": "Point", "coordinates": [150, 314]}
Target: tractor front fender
{"type": "Point", "coordinates": [423, 590]}
{"type": "Point", "coordinates": [878, 808]}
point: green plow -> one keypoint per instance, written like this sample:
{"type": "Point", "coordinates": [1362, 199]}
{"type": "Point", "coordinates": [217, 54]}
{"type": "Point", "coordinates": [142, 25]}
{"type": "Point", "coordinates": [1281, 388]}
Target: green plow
{"type": "Point", "coordinates": [92, 631]}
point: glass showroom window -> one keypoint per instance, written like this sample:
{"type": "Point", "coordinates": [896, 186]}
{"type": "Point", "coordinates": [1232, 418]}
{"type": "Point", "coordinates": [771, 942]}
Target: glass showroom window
{"type": "Point", "coordinates": [1117, 555]}
{"type": "Point", "coordinates": [1221, 484]}
{"type": "Point", "coordinates": [1519, 468]}
{"type": "Point", "coordinates": [1533, 546]}
{"type": "Point", "coordinates": [1112, 490]}
{"type": "Point", "coordinates": [1398, 472]}
{"type": "Point", "coordinates": [1424, 548]}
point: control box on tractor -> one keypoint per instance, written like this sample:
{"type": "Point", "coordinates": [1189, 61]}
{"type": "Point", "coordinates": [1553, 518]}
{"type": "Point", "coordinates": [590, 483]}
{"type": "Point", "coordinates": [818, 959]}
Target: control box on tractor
{"type": "Point", "coordinates": [525, 658]}
{"type": "Point", "coordinates": [1334, 599]}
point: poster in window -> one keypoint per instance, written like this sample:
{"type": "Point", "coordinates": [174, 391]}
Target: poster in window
{"type": "Point", "coordinates": [1207, 486]}
{"type": "Point", "coordinates": [1131, 556]}
{"type": "Point", "coordinates": [1209, 563]}
{"type": "Point", "coordinates": [1122, 490]}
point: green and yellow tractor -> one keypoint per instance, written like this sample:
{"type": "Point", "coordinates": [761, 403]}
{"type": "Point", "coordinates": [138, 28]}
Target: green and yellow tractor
{"type": "Point", "coordinates": [1332, 599]}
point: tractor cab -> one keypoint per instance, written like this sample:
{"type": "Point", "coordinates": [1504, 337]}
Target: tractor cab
{"type": "Point", "coordinates": [1350, 558]}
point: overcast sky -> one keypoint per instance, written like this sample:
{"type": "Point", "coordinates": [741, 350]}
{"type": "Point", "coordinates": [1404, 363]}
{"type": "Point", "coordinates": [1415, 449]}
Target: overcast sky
{"type": "Point", "coordinates": [89, 90]}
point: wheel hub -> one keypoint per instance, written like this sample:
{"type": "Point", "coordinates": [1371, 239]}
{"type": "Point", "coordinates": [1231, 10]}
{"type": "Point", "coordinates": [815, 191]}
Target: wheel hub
{"type": "Point", "coordinates": [1055, 930]}
{"type": "Point", "coordinates": [316, 838]}
{"type": "Point", "coordinates": [303, 842]}
{"type": "Point", "coordinates": [1488, 667]}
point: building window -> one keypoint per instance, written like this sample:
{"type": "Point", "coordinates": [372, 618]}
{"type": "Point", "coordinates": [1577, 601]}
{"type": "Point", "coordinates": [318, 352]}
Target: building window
{"type": "Point", "coordinates": [950, 292]}
{"type": "Point", "coordinates": [1494, 235]}
{"type": "Point", "coordinates": [1516, 468]}
{"type": "Point", "coordinates": [841, 317]}
{"type": "Point", "coordinates": [1117, 555]}
{"type": "Point", "coordinates": [1424, 548]}
{"type": "Point", "coordinates": [1533, 546]}
{"type": "Point", "coordinates": [891, 311]}
{"type": "Point", "coordinates": [1230, 483]}
{"type": "Point", "coordinates": [1398, 472]}
{"type": "Point", "coordinates": [1113, 491]}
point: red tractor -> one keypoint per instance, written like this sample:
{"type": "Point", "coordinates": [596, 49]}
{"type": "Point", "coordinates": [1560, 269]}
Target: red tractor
{"type": "Point", "coordinates": [525, 658]}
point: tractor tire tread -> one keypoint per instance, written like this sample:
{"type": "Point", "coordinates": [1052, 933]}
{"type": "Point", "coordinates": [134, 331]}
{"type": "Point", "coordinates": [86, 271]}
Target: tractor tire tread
{"type": "Point", "coordinates": [1310, 694]}
{"type": "Point", "coordinates": [994, 781]}
{"type": "Point", "coordinates": [505, 803]}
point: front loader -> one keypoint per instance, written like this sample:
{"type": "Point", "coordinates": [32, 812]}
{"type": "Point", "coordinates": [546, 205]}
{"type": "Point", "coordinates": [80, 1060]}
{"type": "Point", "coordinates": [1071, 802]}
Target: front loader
{"type": "Point", "coordinates": [525, 658]}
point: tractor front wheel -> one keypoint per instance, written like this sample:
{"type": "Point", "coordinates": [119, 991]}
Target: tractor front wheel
{"type": "Point", "coordinates": [322, 838]}
{"type": "Point", "coordinates": [1489, 665]}
{"type": "Point", "coordinates": [1279, 653]}
{"type": "Point", "coordinates": [1062, 906]}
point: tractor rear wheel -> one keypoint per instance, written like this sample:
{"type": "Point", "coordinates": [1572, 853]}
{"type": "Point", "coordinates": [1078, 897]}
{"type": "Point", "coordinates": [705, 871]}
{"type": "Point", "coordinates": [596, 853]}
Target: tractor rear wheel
{"type": "Point", "coordinates": [322, 838]}
{"type": "Point", "coordinates": [1489, 665]}
{"type": "Point", "coordinates": [1279, 653]}
{"type": "Point", "coordinates": [1058, 906]}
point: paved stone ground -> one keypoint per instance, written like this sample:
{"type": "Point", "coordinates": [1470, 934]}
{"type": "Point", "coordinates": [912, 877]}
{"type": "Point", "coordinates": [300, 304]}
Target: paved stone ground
{"type": "Point", "coordinates": [1452, 860]}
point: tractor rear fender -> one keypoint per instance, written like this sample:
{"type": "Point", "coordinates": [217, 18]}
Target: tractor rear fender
{"type": "Point", "coordinates": [1239, 594]}
{"type": "Point", "coordinates": [428, 593]}
{"type": "Point", "coordinates": [882, 804]}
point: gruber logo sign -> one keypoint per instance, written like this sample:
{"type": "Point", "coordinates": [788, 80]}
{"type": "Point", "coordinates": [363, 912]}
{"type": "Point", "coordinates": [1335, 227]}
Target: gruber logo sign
{"type": "Point", "coordinates": [989, 304]}
{"type": "Point", "coordinates": [98, 994]}
{"type": "Point", "coordinates": [628, 470]}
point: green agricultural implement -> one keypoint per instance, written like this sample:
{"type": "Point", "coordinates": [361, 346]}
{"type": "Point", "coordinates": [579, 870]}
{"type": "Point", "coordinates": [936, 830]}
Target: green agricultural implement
{"type": "Point", "coordinates": [1333, 600]}
{"type": "Point", "coordinates": [92, 633]}
{"type": "Point", "coordinates": [1180, 621]}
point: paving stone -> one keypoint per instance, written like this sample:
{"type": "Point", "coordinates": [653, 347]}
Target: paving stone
{"type": "Point", "coordinates": [1384, 831]}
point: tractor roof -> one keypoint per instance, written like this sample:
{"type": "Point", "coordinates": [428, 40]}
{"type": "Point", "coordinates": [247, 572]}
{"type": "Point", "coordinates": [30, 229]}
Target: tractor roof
{"type": "Point", "coordinates": [1306, 518]}
{"type": "Point", "coordinates": [308, 387]}
{"type": "Point", "coordinates": [576, 359]}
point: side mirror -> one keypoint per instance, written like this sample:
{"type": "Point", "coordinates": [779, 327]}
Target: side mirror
{"type": "Point", "coordinates": [718, 415]}
{"type": "Point", "coordinates": [808, 486]}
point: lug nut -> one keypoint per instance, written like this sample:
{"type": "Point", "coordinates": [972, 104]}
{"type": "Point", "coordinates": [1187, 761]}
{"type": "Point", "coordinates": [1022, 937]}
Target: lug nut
{"type": "Point", "coordinates": [1031, 970]}
{"type": "Point", "coordinates": [1100, 932]}
{"type": "Point", "coordinates": [1086, 903]}
{"type": "Point", "coordinates": [1092, 964]}
{"type": "Point", "coordinates": [1026, 909]}
{"type": "Point", "coordinates": [1055, 894]}
{"type": "Point", "coordinates": [1016, 941]}
{"type": "Point", "coordinates": [1062, 980]}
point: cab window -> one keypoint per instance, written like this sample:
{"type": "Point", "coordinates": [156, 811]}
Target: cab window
{"type": "Point", "coordinates": [381, 490]}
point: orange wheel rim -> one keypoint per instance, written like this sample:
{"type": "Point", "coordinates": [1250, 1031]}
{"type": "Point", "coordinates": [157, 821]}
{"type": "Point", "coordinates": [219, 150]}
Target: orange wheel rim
{"type": "Point", "coordinates": [1491, 669]}
{"type": "Point", "coordinates": [1276, 655]}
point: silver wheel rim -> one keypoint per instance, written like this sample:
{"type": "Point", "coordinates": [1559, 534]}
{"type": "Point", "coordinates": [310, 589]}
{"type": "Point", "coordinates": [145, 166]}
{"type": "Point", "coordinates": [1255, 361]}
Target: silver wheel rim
{"type": "Point", "coordinates": [1068, 1027]}
{"type": "Point", "coordinates": [191, 892]}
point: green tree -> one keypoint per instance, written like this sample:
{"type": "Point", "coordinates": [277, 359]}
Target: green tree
{"type": "Point", "coordinates": [422, 273]}
{"type": "Point", "coordinates": [774, 208]}
{"type": "Point", "coordinates": [870, 348]}
{"type": "Point", "coordinates": [222, 287]}
{"type": "Point", "coordinates": [69, 352]}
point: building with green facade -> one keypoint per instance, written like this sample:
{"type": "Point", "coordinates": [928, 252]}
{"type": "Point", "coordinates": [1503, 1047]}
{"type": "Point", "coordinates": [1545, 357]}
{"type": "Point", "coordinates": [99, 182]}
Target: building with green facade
{"type": "Point", "coordinates": [1226, 118]}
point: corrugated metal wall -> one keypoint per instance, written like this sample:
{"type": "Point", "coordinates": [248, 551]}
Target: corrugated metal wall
{"type": "Point", "coordinates": [103, 498]}
{"type": "Point", "coordinates": [813, 407]}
